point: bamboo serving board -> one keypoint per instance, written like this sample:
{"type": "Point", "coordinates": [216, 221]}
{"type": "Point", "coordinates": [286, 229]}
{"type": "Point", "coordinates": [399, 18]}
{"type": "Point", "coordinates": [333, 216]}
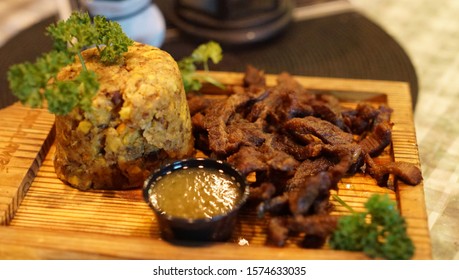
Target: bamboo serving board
{"type": "Point", "coordinates": [42, 218]}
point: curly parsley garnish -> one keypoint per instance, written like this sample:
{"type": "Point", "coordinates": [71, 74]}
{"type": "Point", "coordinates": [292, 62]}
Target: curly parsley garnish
{"type": "Point", "coordinates": [380, 231]}
{"type": "Point", "coordinates": [35, 83]}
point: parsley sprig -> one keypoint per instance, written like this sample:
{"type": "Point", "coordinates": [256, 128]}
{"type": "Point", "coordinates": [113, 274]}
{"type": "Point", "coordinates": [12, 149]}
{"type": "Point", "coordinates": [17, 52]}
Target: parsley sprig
{"type": "Point", "coordinates": [188, 66]}
{"type": "Point", "coordinates": [380, 231]}
{"type": "Point", "coordinates": [35, 83]}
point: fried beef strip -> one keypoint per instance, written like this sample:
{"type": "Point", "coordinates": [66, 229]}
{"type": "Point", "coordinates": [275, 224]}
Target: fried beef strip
{"type": "Point", "coordinates": [308, 168]}
{"type": "Point", "coordinates": [313, 187]}
{"type": "Point", "coordinates": [254, 77]}
{"type": "Point", "coordinates": [312, 183]}
{"type": "Point", "coordinates": [408, 173]}
{"type": "Point", "coordinates": [278, 231]}
{"type": "Point", "coordinates": [319, 226]}
{"type": "Point", "coordinates": [247, 160]}
{"type": "Point", "coordinates": [324, 130]}
{"type": "Point", "coordinates": [242, 132]}
{"type": "Point", "coordinates": [198, 103]}
{"type": "Point", "coordinates": [271, 166]}
{"type": "Point", "coordinates": [219, 114]}
{"type": "Point", "coordinates": [378, 139]}
{"type": "Point", "coordinates": [285, 100]}
{"type": "Point", "coordinates": [299, 151]}
{"type": "Point", "coordinates": [262, 192]}
{"type": "Point", "coordinates": [381, 134]}
{"type": "Point", "coordinates": [360, 119]}
{"type": "Point", "coordinates": [328, 108]}
{"type": "Point", "coordinates": [405, 171]}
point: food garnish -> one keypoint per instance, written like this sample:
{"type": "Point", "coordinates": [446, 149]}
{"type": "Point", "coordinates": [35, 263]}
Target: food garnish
{"type": "Point", "coordinates": [192, 80]}
{"type": "Point", "coordinates": [35, 83]}
{"type": "Point", "coordinates": [380, 231]}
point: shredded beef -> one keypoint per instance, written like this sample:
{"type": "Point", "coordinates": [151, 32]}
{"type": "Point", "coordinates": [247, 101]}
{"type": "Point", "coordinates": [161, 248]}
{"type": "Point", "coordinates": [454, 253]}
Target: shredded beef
{"type": "Point", "coordinates": [254, 77]}
{"type": "Point", "coordinates": [406, 172]}
{"type": "Point", "coordinates": [380, 135]}
{"type": "Point", "coordinates": [303, 197]}
{"type": "Point", "coordinates": [277, 205]}
{"type": "Point", "coordinates": [299, 151]}
{"type": "Point", "coordinates": [219, 114]}
{"type": "Point", "coordinates": [278, 231]}
{"type": "Point", "coordinates": [197, 103]}
{"type": "Point", "coordinates": [361, 118]}
{"type": "Point", "coordinates": [298, 145]}
{"type": "Point", "coordinates": [262, 192]}
{"type": "Point", "coordinates": [248, 159]}
{"type": "Point", "coordinates": [317, 226]}
{"type": "Point", "coordinates": [328, 108]}
{"type": "Point", "coordinates": [308, 168]}
{"type": "Point", "coordinates": [324, 130]}
{"type": "Point", "coordinates": [320, 225]}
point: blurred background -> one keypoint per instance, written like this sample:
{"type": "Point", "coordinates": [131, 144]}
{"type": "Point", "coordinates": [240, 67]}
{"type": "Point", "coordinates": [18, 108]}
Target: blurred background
{"type": "Point", "coordinates": [402, 40]}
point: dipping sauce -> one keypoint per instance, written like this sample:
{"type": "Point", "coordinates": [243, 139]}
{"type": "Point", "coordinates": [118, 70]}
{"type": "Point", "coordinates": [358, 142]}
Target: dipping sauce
{"type": "Point", "coordinates": [196, 193]}
{"type": "Point", "coordinates": [196, 199]}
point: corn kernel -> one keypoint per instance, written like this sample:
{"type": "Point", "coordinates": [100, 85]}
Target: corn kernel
{"type": "Point", "coordinates": [84, 127]}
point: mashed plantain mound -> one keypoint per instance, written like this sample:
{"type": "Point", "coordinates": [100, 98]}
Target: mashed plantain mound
{"type": "Point", "coordinates": [139, 120]}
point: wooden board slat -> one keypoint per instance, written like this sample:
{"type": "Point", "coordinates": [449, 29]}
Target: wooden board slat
{"type": "Point", "coordinates": [25, 137]}
{"type": "Point", "coordinates": [58, 222]}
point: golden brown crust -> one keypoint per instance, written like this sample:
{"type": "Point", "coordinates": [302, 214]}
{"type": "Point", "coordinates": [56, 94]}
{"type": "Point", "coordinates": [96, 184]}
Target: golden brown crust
{"type": "Point", "coordinates": [140, 119]}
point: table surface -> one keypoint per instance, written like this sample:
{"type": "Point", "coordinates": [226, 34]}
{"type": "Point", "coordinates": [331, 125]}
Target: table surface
{"type": "Point", "coordinates": [436, 126]}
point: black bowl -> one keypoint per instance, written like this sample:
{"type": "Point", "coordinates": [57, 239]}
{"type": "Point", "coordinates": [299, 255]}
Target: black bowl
{"type": "Point", "coordinates": [216, 228]}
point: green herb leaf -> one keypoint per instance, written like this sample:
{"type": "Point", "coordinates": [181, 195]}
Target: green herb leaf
{"type": "Point", "coordinates": [192, 81]}
{"type": "Point", "coordinates": [33, 83]}
{"type": "Point", "coordinates": [204, 52]}
{"type": "Point", "coordinates": [62, 97]}
{"type": "Point", "coordinates": [378, 232]}
{"type": "Point", "coordinates": [112, 42]}
{"type": "Point", "coordinates": [29, 80]}
{"type": "Point", "coordinates": [74, 34]}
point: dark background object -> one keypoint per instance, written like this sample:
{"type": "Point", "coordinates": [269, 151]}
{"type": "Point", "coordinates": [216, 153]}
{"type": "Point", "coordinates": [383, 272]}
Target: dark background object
{"type": "Point", "coordinates": [342, 45]}
{"type": "Point", "coordinates": [231, 21]}
{"type": "Point", "coordinates": [25, 46]}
